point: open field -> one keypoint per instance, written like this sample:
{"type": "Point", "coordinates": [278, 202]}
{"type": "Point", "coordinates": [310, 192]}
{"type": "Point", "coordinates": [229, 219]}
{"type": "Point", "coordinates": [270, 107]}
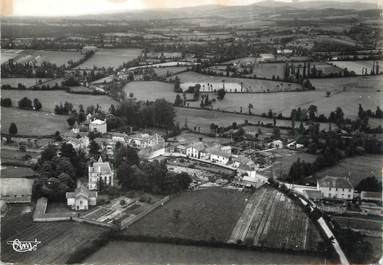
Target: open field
{"type": "Point", "coordinates": [204, 215]}
{"type": "Point", "coordinates": [268, 70]}
{"type": "Point", "coordinates": [271, 219]}
{"type": "Point", "coordinates": [110, 58]}
{"type": "Point", "coordinates": [9, 54]}
{"type": "Point", "coordinates": [55, 57]}
{"type": "Point", "coordinates": [16, 172]}
{"type": "Point", "coordinates": [28, 82]}
{"type": "Point", "coordinates": [15, 157]}
{"type": "Point", "coordinates": [357, 83]}
{"type": "Point", "coordinates": [32, 122]}
{"type": "Point", "coordinates": [123, 252]}
{"type": "Point", "coordinates": [49, 99]}
{"type": "Point", "coordinates": [151, 90]}
{"type": "Point", "coordinates": [189, 137]}
{"type": "Point", "coordinates": [58, 239]}
{"type": "Point", "coordinates": [359, 167]}
{"type": "Point", "coordinates": [356, 66]}
{"type": "Point", "coordinates": [234, 84]}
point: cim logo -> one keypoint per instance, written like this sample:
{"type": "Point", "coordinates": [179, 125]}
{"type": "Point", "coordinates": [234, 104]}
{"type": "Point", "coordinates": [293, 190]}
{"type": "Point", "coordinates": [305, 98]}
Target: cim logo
{"type": "Point", "coordinates": [24, 246]}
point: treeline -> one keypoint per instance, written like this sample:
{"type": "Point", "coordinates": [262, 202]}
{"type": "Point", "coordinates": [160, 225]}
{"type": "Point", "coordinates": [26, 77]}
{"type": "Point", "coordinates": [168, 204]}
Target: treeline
{"type": "Point", "coordinates": [331, 147]}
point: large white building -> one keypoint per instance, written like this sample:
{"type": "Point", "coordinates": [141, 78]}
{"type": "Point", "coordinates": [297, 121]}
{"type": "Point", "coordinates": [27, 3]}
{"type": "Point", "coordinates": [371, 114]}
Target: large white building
{"type": "Point", "coordinates": [336, 188]}
{"type": "Point", "coordinates": [100, 171]}
{"type": "Point", "coordinates": [98, 126]}
{"type": "Point", "coordinates": [81, 198]}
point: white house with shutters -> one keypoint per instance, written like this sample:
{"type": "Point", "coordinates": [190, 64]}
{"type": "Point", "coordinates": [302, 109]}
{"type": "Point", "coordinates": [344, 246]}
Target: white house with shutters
{"type": "Point", "coordinates": [336, 188]}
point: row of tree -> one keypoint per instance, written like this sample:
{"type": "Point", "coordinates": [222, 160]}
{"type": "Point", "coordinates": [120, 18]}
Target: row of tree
{"type": "Point", "coordinates": [27, 104]}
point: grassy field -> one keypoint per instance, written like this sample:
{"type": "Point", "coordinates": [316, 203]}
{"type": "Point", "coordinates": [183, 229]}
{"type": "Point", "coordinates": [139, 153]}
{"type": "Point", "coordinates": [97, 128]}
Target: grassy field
{"type": "Point", "coordinates": [204, 215]}
{"type": "Point", "coordinates": [358, 167]}
{"type": "Point", "coordinates": [268, 70]}
{"type": "Point", "coordinates": [271, 219]}
{"type": "Point", "coordinates": [123, 252]}
{"type": "Point", "coordinates": [189, 137]}
{"type": "Point", "coordinates": [32, 122]}
{"type": "Point", "coordinates": [151, 90]}
{"type": "Point", "coordinates": [15, 157]}
{"type": "Point", "coordinates": [49, 99]}
{"type": "Point", "coordinates": [357, 84]}
{"type": "Point", "coordinates": [55, 57]}
{"type": "Point", "coordinates": [356, 66]}
{"type": "Point", "coordinates": [58, 239]}
{"type": "Point", "coordinates": [110, 58]}
{"type": "Point", "coordinates": [251, 85]}
{"type": "Point", "coordinates": [28, 82]}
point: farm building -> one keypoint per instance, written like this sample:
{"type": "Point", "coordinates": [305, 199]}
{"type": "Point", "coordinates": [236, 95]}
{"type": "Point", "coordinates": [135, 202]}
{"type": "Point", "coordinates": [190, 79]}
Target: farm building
{"type": "Point", "coordinates": [266, 57]}
{"type": "Point", "coordinates": [314, 195]}
{"type": "Point", "coordinates": [336, 188]}
{"type": "Point", "coordinates": [81, 198]}
{"type": "Point", "coordinates": [16, 190]}
{"type": "Point", "coordinates": [144, 140]}
{"type": "Point", "coordinates": [98, 126]}
{"type": "Point", "coordinates": [100, 171]}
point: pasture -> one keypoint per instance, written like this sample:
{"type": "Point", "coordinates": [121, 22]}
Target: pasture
{"type": "Point", "coordinates": [32, 122]}
{"type": "Point", "coordinates": [28, 82]}
{"type": "Point", "coordinates": [49, 99]}
{"type": "Point", "coordinates": [110, 58]}
{"type": "Point", "coordinates": [358, 168]}
{"type": "Point", "coordinates": [357, 83]}
{"type": "Point", "coordinates": [268, 70]}
{"type": "Point", "coordinates": [150, 90]}
{"type": "Point", "coordinates": [356, 66]}
{"type": "Point", "coordinates": [205, 215]}
{"type": "Point", "coordinates": [270, 219]}
{"type": "Point", "coordinates": [168, 71]}
{"type": "Point", "coordinates": [211, 83]}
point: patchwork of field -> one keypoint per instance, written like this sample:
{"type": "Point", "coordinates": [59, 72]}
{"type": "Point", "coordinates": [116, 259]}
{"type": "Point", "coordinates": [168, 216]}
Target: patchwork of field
{"type": "Point", "coordinates": [356, 66]}
{"type": "Point", "coordinates": [110, 58]}
{"type": "Point", "coordinates": [204, 215]}
{"type": "Point", "coordinates": [234, 84]}
{"type": "Point", "coordinates": [270, 219]}
{"type": "Point", "coordinates": [49, 99]}
{"type": "Point", "coordinates": [28, 82]}
{"type": "Point", "coordinates": [357, 83]}
{"type": "Point", "coordinates": [358, 168]}
{"type": "Point", "coordinates": [32, 122]}
{"type": "Point", "coordinates": [55, 57]}
{"type": "Point", "coordinates": [58, 240]}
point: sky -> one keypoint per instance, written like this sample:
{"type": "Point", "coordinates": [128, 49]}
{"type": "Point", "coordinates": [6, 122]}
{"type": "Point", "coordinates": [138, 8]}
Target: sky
{"type": "Point", "coordinates": [79, 7]}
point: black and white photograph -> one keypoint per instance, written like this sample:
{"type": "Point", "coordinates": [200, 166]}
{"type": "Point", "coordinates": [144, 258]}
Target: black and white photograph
{"type": "Point", "coordinates": [191, 132]}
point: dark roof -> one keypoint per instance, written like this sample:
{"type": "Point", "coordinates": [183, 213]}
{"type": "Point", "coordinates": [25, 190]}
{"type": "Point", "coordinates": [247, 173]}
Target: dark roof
{"type": "Point", "coordinates": [313, 194]}
{"type": "Point", "coordinates": [335, 182]}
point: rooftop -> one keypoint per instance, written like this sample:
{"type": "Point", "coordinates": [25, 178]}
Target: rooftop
{"type": "Point", "coordinates": [335, 182]}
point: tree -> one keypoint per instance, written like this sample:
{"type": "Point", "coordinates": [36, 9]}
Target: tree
{"type": "Point", "coordinates": [12, 129]}
{"type": "Point", "coordinates": [176, 215]}
{"type": "Point", "coordinates": [178, 101]}
{"type": "Point", "coordinates": [71, 121]}
{"type": "Point", "coordinates": [37, 104]}
{"type": "Point", "coordinates": [94, 148]}
{"type": "Point", "coordinates": [25, 103]}
{"type": "Point", "coordinates": [250, 107]}
{"type": "Point", "coordinates": [221, 93]}
{"type": "Point", "coordinates": [6, 102]}
{"type": "Point", "coordinates": [312, 111]}
{"type": "Point", "coordinates": [369, 184]}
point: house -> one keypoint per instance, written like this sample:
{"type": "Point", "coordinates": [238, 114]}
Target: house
{"type": "Point", "coordinates": [16, 190]}
{"type": "Point", "coordinates": [276, 144]}
{"type": "Point", "coordinates": [100, 171]}
{"type": "Point", "coordinates": [81, 198]}
{"type": "Point", "coordinates": [218, 154]}
{"type": "Point", "coordinates": [79, 143]}
{"type": "Point", "coordinates": [314, 195]}
{"type": "Point", "coordinates": [145, 140]}
{"type": "Point", "coordinates": [195, 149]}
{"type": "Point", "coordinates": [335, 188]}
{"type": "Point", "coordinates": [98, 126]}
{"type": "Point", "coordinates": [76, 128]}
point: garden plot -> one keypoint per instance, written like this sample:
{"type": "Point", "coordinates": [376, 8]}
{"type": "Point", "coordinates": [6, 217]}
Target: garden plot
{"type": "Point", "coordinates": [272, 220]}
